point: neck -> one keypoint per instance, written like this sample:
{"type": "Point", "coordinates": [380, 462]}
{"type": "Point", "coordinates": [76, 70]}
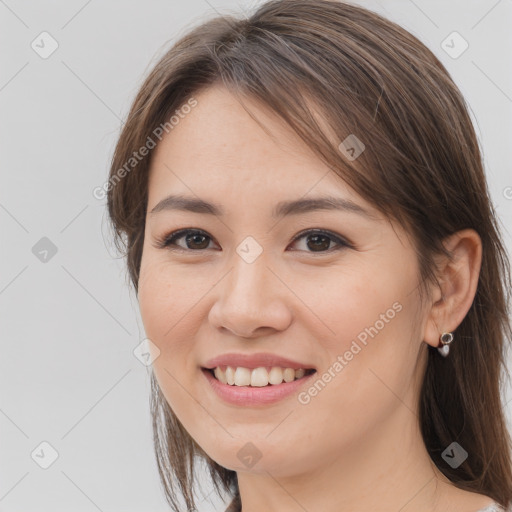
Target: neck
{"type": "Point", "coordinates": [388, 469]}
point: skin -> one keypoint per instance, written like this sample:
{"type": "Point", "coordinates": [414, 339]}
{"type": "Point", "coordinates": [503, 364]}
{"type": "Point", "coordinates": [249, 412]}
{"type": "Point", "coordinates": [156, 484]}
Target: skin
{"type": "Point", "coordinates": [356, 446]}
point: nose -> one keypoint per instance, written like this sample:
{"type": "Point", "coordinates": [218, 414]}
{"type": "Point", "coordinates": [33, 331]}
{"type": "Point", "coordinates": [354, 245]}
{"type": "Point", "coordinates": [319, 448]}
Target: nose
{"type": "Point", "coordinates": [251, 300]}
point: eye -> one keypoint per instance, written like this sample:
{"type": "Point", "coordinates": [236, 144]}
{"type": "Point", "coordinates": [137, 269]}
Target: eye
{"type": "Point", "coordinates": [320, 241]}
{"type": "Point", "coordinates": [197, 240]}
{"type": "Point", "coordinates": [194, 240]}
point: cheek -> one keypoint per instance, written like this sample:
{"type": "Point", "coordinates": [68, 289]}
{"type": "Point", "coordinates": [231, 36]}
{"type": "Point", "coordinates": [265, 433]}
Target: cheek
{"type": "Point", "coordinates": [168, 301]}
{"type": "Point", "coordinates": [352, 304]}
{"type": "Point", "coordinates": [372, 343]}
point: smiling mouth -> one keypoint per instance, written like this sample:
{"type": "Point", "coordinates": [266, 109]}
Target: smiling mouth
{"type": "Point", "coordinates": [257, 377]}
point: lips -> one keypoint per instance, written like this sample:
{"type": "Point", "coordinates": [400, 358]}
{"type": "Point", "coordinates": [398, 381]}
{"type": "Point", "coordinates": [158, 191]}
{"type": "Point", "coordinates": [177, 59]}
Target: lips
{"type": "Point", "coordinates": [255, 361]}
{"type": "Point", "coordinates": [249, 396]}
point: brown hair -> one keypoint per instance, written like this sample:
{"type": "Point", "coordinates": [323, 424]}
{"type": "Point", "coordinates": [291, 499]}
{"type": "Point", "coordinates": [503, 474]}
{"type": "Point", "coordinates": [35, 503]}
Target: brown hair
{"type": "Point", "coordinates": [422, 167]}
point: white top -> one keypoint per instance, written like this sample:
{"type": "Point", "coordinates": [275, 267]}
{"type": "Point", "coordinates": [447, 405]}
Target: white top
{"type": "Point", "coordinates": [494, 507]}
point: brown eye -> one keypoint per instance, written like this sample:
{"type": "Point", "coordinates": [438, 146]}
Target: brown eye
{"type": "Point", "coordinates": [197, 240]}
{"type": "Point", "coordinates": [320, 241]}
{"type": "Point", "coordinates": [194, 240]}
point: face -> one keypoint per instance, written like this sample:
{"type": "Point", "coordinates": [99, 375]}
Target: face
{"type": "Point", "coordinates": [334, 290]}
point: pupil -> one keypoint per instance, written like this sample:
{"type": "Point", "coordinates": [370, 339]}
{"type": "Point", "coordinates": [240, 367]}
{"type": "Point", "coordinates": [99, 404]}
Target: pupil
{"type": "Point", "coordinates": [194, 238]}
{"type": "Point", "coordinates": [316, 238]}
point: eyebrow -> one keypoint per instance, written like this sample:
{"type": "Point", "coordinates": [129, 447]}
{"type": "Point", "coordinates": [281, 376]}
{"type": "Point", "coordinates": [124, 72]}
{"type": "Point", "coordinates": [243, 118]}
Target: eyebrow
{"type": "Point", "coordinates": [282, 209]}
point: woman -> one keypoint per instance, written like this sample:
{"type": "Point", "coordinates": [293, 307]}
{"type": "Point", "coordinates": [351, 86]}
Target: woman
{"type": "Point", "coordinates": [319, 269]}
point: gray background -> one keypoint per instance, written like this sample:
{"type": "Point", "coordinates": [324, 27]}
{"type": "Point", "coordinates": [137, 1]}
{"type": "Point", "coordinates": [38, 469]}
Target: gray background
{"type": "Point", "coordinates": [69, 324]}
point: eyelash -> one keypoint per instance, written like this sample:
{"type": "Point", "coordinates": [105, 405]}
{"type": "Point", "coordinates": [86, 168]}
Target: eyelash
{"type": "Point", "coordinates": [169, 240]}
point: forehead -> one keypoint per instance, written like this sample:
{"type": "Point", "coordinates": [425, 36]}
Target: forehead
{"type": "Point", "coordinates": [219, 149]}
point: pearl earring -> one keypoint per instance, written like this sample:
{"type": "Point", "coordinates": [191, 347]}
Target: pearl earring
{"type": "Point", "coordinates": [446, 338]}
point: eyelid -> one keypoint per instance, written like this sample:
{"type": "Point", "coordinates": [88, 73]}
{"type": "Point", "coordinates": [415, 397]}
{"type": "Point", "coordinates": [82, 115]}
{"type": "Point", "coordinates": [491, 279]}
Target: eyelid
{"type": "Point", "coordinates": [164, 241]}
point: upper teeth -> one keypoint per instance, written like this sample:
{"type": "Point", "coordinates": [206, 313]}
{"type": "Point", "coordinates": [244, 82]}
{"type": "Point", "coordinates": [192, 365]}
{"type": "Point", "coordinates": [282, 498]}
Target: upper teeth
{"type": "Point", "coordinates": [239, 376]}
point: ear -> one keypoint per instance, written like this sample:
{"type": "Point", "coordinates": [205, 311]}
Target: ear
{"type": "Point", "coordinates": [458, 280]}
